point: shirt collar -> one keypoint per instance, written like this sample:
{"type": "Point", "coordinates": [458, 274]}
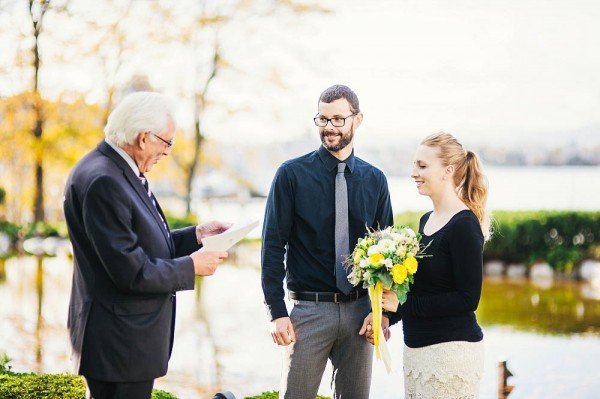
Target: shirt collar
{"type": "Point", "coordinates": [331, 162]}
{"type": "Point", "coordinates": [125, 156]}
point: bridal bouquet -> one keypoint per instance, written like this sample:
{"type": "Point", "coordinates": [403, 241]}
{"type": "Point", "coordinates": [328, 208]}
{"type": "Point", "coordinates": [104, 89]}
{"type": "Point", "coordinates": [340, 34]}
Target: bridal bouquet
{"type": "Point", "coordinates": [385, 259]}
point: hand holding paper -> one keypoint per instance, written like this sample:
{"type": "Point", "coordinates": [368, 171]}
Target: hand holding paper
{"type": "Point", "coordinates": [210, 229]}
{"type": "Point", "coordinates": [228, 238]}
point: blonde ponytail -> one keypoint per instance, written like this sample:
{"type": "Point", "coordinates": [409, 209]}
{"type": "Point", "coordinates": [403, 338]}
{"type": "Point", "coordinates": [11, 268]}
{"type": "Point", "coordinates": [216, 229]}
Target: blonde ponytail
{"type": "Point", "coordinates": [471, 183]}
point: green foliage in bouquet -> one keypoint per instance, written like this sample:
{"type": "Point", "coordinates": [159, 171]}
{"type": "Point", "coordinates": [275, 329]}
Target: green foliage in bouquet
{"type": "Point", "coordinates": [387, 258]}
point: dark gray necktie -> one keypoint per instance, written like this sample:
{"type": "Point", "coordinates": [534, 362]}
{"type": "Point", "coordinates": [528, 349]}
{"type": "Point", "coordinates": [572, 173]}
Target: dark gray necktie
{"type": "Point", "coordinates": [145, 183]}
{"type": "Point", "coordinates": [341, 230]}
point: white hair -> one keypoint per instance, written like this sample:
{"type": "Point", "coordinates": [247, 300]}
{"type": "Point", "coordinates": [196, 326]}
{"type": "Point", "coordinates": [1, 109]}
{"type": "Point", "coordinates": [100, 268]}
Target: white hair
{"type": "Point", "coordinates": [139, 112]}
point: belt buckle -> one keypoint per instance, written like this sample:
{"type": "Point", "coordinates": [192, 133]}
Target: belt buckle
{"type": "Point", "coordinates": [335, 297]}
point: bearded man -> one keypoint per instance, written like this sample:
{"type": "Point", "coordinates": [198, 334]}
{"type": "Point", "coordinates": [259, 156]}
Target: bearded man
{"type": "Point", "coordinates": [318, 206]}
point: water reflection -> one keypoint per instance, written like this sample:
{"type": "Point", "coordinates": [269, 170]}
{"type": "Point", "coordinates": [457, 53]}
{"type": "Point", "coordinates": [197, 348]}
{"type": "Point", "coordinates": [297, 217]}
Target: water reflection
{"type": "Point", "coordinates": [39, 289]}
{"type": "Point", "coordinates": [2, 270]}
{"type": "Point", "coordinates": [562, 307]}
{"type": "Point", "coordinates": [222, 335]}
{"type": "Point", "coordinates": [201, 316]}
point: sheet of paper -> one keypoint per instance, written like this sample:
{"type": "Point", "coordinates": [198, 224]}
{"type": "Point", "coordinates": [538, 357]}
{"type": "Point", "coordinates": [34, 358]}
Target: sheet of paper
{"type": "Point", "coordinates": [230, 237]}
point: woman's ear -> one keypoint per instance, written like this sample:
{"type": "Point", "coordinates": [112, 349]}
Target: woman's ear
{"type": "Point", "coordinates": [449, 171]}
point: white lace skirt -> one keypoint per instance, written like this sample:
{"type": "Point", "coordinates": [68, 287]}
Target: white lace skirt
{"type": "Point", "coordinates": [450, 370]}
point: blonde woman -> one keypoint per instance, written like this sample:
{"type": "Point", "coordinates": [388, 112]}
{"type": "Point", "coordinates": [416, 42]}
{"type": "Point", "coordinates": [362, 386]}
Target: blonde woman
{"type": "Point", "coordinates": [443, 352]}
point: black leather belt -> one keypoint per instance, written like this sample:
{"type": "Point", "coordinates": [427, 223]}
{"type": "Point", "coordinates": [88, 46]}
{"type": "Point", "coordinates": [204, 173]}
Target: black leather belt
{"type": "Point", "coordinates": [336, 297]}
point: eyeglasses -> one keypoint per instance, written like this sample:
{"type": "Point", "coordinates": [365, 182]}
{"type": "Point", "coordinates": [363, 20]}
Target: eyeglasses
{"type": "Point", "coordinates": [168, 143]}
{"type": "Point", "coordinates": [336, 121]}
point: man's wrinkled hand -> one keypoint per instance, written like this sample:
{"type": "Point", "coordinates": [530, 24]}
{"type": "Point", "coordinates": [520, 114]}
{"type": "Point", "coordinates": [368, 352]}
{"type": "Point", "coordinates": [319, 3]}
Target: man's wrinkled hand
{"type": "Point", "coordinates": [206, 262]}
{"type": "Point", "coordinates": [210, 229]}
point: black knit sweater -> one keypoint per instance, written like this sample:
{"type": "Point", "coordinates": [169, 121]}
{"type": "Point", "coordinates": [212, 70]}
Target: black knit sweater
{"type": "Point", "coordinates": [441, 303]}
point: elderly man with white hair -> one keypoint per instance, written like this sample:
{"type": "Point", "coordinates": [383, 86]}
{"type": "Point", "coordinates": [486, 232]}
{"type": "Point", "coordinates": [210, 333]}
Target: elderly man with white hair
{"type": "Point", "coordinates": [128, 263]}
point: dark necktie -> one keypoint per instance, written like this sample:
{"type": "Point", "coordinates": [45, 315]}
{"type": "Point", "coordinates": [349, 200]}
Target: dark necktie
{"type": "Point", "coordinates": [341, 230]}
{"type": "Point", "coordinates": [144, 182]}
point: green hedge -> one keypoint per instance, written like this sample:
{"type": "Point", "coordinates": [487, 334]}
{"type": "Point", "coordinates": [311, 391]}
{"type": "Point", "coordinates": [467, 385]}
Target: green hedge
{"type": "Point", "coordinates": [68, 386]}
{"type": "Point", "coordinates": [10, 229]}
{"type": "Point", "coordinates": [65, 386]}
{"type": "Point", "coordinates": [34, 386]}
{"type": "Point", "coordinates": [561, 238]}
{"type": "Point", "coordinates": [50, 386]}
{"type": "Point", "coordinates": [275, 395]}
{"type": "Point", "coordinates": [177, 222]}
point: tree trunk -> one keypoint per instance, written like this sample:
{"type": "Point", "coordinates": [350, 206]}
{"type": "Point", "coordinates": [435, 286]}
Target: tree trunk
{"type": "Point", "coordinates": [38, 129]}
{"type": "Point", "coordinates": [191, 172]}
{"type": "Point", "coordinates": [199, 104]}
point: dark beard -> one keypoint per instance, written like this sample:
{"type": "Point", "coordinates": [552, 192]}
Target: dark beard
{"type": "Point", "coordinates": [343, 143]}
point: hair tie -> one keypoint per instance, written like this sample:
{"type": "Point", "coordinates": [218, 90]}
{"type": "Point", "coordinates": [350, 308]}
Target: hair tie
{"type": "Point", "coordinates": [466, 152]}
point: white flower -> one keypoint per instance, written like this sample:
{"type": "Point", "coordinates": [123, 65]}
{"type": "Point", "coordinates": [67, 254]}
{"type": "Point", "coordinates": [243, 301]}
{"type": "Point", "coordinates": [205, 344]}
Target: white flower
{"type": "Point", "coordinates": [386, 245]}
{"type": "Point", "coordinates": [353, 278]}
{"type": "Point", "coordinates": [364, 263]}
{"type": "Point", "coordinates": [373, 249]}
{"type": "Point", "coordinates": [396, 236]}
{"type": "Point", "coordinates": [387, 263]}
{"type": "Point", "coordinates": [411, 233]}
{"type": "Point", "coordinates": [401, 252]}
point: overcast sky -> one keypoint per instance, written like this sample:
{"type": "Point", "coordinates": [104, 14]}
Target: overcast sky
{"type": "Point", "coordinates": [493, 71]}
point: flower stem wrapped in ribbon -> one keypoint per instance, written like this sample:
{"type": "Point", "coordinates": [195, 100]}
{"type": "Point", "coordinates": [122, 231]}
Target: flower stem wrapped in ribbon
{"type": "Point", "coordinates": [385, 259]}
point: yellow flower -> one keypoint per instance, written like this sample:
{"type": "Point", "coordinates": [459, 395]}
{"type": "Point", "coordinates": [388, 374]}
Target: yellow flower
{"type": "Point", "coordinates": [399, 273]}
{"type": "Point", "coordinates": [358, 255]}
{"type": "Point", "coordinates": [376, 259]}
{"type": "Point", "coordinates": [411, 264]}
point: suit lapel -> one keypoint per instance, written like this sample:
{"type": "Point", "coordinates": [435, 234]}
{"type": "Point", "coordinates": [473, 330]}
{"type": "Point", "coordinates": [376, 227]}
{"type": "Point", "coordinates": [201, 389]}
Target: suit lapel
{"type": "Point", "coordinates": [139, 189]}
{"type": "Point", "coordinates": [164, 218]}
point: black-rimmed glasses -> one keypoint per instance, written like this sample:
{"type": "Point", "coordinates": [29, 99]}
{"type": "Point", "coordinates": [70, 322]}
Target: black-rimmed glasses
{"type": "Point", "coordinates": [336, 121]}
{"type": "Point", "coordinates": [168, 143]}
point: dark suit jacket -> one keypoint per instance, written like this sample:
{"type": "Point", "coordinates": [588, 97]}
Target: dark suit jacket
{"type": "Point", "coordinates": [127, 270]}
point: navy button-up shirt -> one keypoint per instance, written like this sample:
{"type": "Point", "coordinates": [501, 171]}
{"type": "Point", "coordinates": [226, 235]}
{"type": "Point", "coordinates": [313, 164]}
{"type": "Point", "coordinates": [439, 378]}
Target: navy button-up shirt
{"type": "Point", "coordinates": [298, 233]}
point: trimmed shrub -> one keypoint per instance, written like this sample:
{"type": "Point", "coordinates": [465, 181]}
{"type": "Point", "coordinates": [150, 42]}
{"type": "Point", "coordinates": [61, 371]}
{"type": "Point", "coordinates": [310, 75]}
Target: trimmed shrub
{"type": "Point", "coordinates": [158, 394]}
{"type": "Point", "coordinates": [176, 222]}
{"type": "Point", "coordinates": [410, 219]}
{"type": "Point", "coordinates": [275, 395]}
{"type": "Point", "coordinates": [10, 229]}
{"type": "Point", "coordinates": [41, 229]}
{"type": "Point", "coordinates": [561, 238]}
{"type": "Point", "coordinates": [47, 386]}
{"type": "Point", "coordinates": [34, 386]}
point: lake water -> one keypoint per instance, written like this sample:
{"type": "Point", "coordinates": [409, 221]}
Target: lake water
{"type": "Point", "coordinates": [511, 188]}
{"type": "Point", "coordinates": [520, 188]}
{"type": "Point", "coordinates": [549, 335]}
